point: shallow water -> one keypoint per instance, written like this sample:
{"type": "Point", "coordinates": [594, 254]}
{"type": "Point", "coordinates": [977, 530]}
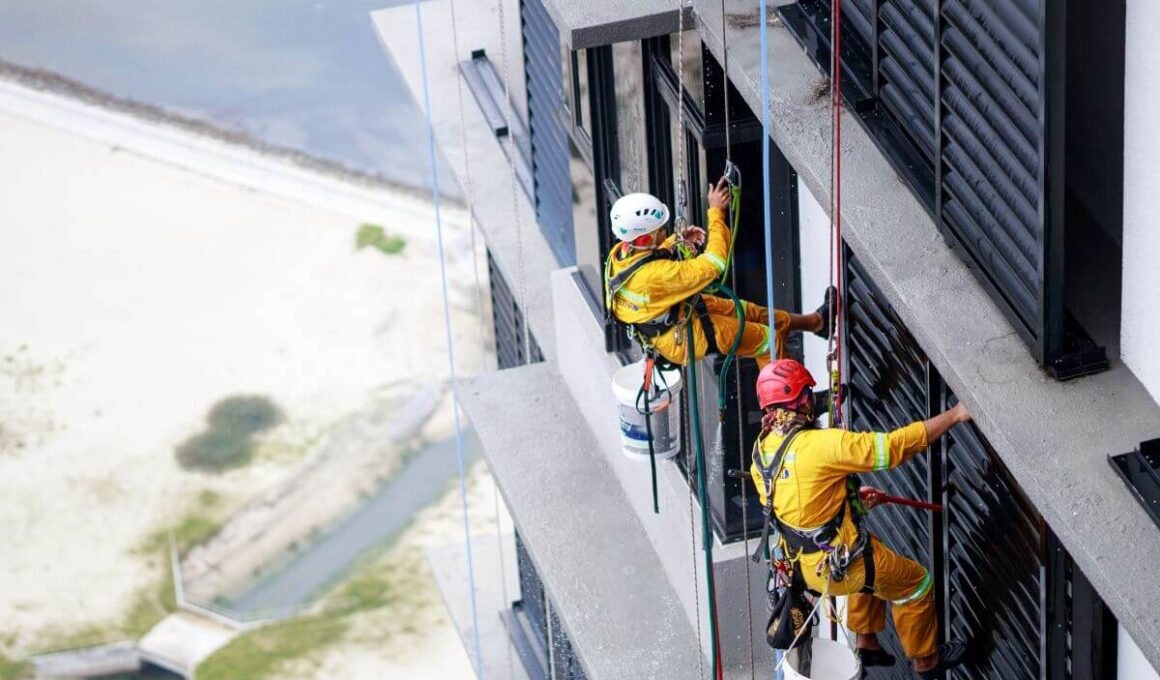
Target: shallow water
{"type": "Point", "coordinates": [309, 75]}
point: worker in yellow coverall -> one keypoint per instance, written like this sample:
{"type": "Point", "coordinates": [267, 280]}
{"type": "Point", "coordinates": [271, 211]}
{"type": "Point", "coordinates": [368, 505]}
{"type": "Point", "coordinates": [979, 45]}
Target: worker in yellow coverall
{"type": "Point", "coordinates": [647, 281]}
{"type": "Point", "coordinates": [820, 530]}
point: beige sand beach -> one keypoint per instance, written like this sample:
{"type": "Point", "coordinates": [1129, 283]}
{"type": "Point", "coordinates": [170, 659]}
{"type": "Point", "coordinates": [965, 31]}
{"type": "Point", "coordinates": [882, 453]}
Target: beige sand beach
{"type": "Point", "coordinates": [136, 294]}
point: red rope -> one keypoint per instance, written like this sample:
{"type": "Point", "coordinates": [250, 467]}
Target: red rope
{"type": "Point", "coordinates": [836, 249]}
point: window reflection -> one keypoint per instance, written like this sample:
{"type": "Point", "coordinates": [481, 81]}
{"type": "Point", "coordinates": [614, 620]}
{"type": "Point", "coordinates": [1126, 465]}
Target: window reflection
{"type": "Point", "coordinates": [693, 66]}
{"type": "Point", "coordinates": [589, 260]}
{"type": "Point", "coordinates": [628, 68]}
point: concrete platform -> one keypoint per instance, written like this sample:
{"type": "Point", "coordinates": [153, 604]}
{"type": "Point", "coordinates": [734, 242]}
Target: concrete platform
{"type": "Point", "coordinates": [591, 23]}
{"type": "Point", "coordinates": [616, 605]}
{"type": "Point", "coordinates": [182, 641]}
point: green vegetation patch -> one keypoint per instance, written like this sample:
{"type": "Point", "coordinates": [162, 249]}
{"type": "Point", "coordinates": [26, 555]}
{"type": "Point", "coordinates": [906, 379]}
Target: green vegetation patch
{"type": "Point", "coordinates": [228, 440]}
{"type": "Point", "coordinates": [259, 654]}
{"type": "Point", "coordinates": [375, 585]}
{"type": "Point", "coordinates": [149, 607]}
{"type": "Point", "coordinates": [11, 669]}
{"type": "Point", "coordinates": [374, 236]}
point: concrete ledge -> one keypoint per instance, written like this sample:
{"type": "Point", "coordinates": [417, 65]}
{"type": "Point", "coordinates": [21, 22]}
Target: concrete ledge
{"type": "Point", "coordinates": [477, 160]}
{"type": "Point", "coordinates": [588, 375]}
{"type": "Point", "coordinates": [603, 576]}
{"type": "Point", "coordinates": [590, 23]}
{"type": "Point", "coordinates": [1053, 436]}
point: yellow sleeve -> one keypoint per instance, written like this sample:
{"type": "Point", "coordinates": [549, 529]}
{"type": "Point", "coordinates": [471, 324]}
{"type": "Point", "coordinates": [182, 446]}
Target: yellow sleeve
{"type": "Point", "coordinates": [689, 277]}
{"type": "Point", "coordinates": [873, 451]}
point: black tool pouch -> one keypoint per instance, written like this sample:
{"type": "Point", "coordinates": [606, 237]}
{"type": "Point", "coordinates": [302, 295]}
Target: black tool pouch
{"type": "Point", "coordinates": [791, 614]}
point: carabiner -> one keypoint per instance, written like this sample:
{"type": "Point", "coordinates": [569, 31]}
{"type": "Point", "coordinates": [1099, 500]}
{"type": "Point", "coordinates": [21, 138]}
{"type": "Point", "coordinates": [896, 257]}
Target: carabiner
{"type": "Point", "coordinates": [732, 174]}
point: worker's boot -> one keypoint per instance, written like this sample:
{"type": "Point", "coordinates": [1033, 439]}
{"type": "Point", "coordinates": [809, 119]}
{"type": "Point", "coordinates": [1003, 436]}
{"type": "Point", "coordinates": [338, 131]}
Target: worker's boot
{"type": "Point", "coordinates": [875, 657]}
{"type": "Point", "coordinates": [826, 312]}
{"type": "Point", "coordinates": [950, 655]}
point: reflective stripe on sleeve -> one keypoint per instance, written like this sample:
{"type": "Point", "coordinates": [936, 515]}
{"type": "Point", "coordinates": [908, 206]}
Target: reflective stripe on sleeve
{"type": "Point", "coordinates": [763, 348]}
{"type": "Point", "coordinates": [634, 297]}
{"type": "Point", "coordinates": [882, 455]}
{"type": "Point", "coordinates": [717, 261]}
{"type": "Point", "coordinates": [919, 592]}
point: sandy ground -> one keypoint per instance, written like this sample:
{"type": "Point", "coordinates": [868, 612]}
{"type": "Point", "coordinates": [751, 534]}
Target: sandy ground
{"type": "Point", "coordinates": [348, 465]}
{"type": "Point", "coordinates": [134, 296]}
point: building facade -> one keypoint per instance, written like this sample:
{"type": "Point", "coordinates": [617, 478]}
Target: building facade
{"type": "Point", "coordinates": [996, 250]}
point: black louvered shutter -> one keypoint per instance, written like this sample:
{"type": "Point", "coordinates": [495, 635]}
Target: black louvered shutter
{"type": "Point", "coordinates": [994, 563]}
{"type": "Point", "coordinates": [1001, 579]}
{"type": "Point", "coordinates": [531, 594]}
{"type": "Point", "coordinates": [992, 151]}
{"type": "Point", "coordinates": [888, 388]}
{"type": "Point", "coordinates": [906, 70]}
{"type": "Point", "coordinates": [508, 320]}
{"type": "Point", "coordinates": [544, 75]}
{"type": "Point", "coordinates": [967, 100]}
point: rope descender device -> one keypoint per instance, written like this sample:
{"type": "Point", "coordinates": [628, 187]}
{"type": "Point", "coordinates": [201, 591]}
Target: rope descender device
{"type": "Point", "coordinates": [680, 221]}
{"type": "Point", "coordinates": [832, 367]}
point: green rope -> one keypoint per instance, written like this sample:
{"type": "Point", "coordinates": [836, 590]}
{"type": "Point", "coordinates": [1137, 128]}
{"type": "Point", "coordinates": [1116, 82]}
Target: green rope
{"type": "Point", "coordinates": [652, 454]}
{"type": "Point", "coordinates": [734, 223]}
{"type": "Point", "coordinates": [702, 495]}
{"type": "Point", "coordinates": [731, 355]}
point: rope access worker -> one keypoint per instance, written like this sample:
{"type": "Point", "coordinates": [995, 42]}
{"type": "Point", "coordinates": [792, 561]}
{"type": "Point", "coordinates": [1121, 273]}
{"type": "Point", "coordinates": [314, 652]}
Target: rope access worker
{"type": "Point", "coordinates": [811, 476]}
{"type": "Point", "coordinates": [648, 279]}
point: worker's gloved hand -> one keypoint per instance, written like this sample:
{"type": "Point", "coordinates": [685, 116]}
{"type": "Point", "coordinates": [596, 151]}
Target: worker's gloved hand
{"type": "Point", "coordinates": [871, 496]}
{"type": "Point", "coordinates": [822, 401]}
{"type": "Point", "coordinates": [694, 234]}
{"type": "Point", "coordinates": [720, 196]}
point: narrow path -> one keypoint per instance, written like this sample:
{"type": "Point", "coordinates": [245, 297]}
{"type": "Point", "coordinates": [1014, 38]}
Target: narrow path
{"type": "Point", "coordinates": [420, 482]}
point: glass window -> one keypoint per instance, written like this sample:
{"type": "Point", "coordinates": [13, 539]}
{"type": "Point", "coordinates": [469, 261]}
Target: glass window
{"type": "Point", "coordinates": [694, 71]}
{"type": "Point", "coordinates": [589, 260]}
{"type": "Point", "coordinates": [628, 68]}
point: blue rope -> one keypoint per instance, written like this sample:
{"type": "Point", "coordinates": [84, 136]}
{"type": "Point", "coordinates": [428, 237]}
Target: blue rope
{"type": "Point", "coordinates": [765, 176]}
{"type": "Point", "coordinates": [450, 341]}
{"type": "Point", "coordinates": [768, 206]}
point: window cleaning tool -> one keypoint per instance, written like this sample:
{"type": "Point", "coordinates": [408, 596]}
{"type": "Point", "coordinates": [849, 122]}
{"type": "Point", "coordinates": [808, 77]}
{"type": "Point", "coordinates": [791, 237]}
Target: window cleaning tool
{"type": "Point", "coordinates": [879, 497]}
{"type": "Point", "coordinates": [873, 496]}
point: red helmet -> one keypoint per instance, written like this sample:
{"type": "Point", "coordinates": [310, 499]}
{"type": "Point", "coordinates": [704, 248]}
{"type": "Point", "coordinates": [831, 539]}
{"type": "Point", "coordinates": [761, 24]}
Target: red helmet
{"type": "Point", "coordinates": [782, 383]}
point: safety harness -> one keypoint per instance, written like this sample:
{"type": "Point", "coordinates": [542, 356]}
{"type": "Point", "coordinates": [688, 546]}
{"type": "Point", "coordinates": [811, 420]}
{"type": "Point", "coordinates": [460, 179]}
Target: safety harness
{"type": "Point", "coordinates": [820, 539]}
{"type": "Point", "coordinates": [645, 331]}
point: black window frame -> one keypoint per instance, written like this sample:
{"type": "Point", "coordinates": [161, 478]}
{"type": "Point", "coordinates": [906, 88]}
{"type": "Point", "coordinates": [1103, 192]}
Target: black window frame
{"type": "Point", "coordinates": [534, 627]}
{"type": "Point", "coordinates": [705, 130]}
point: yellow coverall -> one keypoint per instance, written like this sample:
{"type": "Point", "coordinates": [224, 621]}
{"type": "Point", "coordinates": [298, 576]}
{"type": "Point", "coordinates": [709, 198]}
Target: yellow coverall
{"type": "Point", "coordinates": [657, 286]}
{"type": "Point", "coordinates": [810, 491]}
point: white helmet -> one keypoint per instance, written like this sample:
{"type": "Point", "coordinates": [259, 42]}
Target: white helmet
{"type": "Point", "coordinates": [635, 215]}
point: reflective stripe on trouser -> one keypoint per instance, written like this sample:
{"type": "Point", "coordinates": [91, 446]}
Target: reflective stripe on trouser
{"type": "Point", "coordinates": [906, 584]}
{"type": "Point", "coordinates": [754, 340]}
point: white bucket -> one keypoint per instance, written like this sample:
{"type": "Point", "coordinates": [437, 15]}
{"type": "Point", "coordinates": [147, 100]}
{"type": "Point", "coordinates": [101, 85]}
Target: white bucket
{"type": "Point", "coordinates": [831, 661]}
{"type": "Point", "coordinates": [663, 404]}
